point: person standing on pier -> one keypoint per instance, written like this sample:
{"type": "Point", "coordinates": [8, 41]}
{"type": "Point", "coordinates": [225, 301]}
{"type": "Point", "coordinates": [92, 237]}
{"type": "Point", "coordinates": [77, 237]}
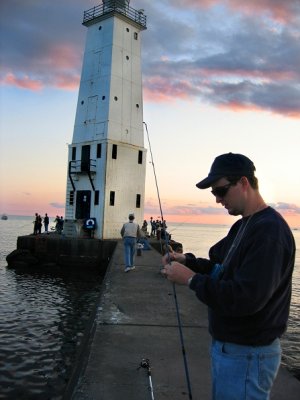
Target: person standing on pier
{"type": "Point", "coordinates": [246, 283]}
{"type": "Point", "coordinates": [35, 224]}
{"type": "Point", "coordinates": [144, 228]}
{"type": "Point", "coordinates": [46, 222]}
{"type": "Point", "coordinates": [153, 227]}
{"type": "Point", "coordinates": [130, 232]}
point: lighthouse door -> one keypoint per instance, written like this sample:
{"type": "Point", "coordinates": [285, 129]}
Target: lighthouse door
{"type": "Point", "coordinates": [83, 204]}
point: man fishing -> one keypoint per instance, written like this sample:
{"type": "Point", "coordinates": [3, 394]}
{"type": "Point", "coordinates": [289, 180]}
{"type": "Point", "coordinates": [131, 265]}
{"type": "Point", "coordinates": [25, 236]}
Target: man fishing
{"type": "Point", "coordinates": [246, 283]}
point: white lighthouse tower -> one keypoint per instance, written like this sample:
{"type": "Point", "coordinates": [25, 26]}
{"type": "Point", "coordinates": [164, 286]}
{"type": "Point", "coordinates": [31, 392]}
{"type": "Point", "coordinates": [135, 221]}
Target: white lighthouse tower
{"type": "Point", "coordinates": [107, 158]}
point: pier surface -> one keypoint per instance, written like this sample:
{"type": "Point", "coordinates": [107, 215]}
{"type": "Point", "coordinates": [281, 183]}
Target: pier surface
{"type": "Point", "coordinates": [136, 319]}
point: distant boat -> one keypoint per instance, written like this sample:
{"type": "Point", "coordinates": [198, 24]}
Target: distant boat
{"type": "Point", "coordinates": [4, 217]}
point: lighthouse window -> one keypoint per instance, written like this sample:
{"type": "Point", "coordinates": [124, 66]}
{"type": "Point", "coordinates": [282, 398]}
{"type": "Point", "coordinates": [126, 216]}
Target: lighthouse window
{"type": "Point", "coordinates": [140, 159]}
{"type": "Point", "coordinates": [96, 201]}
{"type": "Point", "coordinates": [73, 153]}
{"type": "Point", "coordinates": [127, 57]}
{"type": "Point", "coordinates": [127, 29]}
{"type": "Point", "coordinates": [137, 106]}
{"type": "Point", "coordinates": [112, 198]}
{"type": "Point", "coordinates": [135, 36]}
{"type": "Point", "coordinates": [100, 27]}
{"type": "Point", "coordinates": [116, 99]}
{"type": "Point", "coordinates": [114, 151]}
{"type": "Point", "coordinates": [138, 201]}
{"type": "Point", "coordinates": [103, 97]}
{"type": "Point", "coordinates": [99, 150]}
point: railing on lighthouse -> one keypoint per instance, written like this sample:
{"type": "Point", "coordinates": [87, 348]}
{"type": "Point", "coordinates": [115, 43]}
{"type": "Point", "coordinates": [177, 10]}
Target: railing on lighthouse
{"type": "Point", "coordinates": [115, 6]}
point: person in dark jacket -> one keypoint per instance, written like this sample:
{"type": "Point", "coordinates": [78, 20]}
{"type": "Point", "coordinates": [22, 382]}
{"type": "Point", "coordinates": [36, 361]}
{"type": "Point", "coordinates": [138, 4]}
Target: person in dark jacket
{"type": "Point", "coordinates": [246, 283]}
{"type": "Point", "coordinates": [46, 222]}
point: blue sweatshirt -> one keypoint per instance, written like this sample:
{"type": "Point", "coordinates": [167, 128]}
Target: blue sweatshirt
{"type": "Point", "coordinates": [249, 303]}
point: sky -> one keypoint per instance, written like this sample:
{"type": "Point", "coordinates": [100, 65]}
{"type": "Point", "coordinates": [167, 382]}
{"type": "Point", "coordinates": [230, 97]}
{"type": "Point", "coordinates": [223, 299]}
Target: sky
{"type": "Point", "coordinates": [218, 76]}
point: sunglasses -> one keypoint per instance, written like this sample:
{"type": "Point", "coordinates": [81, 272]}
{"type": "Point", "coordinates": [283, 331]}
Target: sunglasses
{"type": "Point", "coordinates": [221, 191]}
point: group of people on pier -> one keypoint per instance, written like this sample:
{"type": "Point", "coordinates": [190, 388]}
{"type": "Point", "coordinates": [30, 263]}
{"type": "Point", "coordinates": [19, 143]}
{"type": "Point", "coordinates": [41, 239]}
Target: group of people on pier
{"type": "Point", "coordinates": [39, 221]}
{"type": "Point", "coordinates": [158, 229]}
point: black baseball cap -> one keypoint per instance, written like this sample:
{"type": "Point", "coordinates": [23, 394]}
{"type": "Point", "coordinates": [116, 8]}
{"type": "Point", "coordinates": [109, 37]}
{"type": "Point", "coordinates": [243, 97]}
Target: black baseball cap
{"type": "Point", "coordinates": [228, 164]}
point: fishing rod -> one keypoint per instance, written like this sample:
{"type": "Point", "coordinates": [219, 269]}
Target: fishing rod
{"type": "Point", "coordinates": [145, 363]}
{"type": "Point", "coordinates": [154, 172]}
{"type": "Point", "coordinates": [187, 375]}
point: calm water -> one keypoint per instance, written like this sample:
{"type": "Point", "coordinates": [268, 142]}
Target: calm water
{"type": "Point", "coordinates": [198, 239]}
{"type": "Point", "coordinates": [43, 316]}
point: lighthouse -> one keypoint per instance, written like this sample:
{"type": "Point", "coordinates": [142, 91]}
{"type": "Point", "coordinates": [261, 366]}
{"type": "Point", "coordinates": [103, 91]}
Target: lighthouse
{"type": "Point", "coordinates": [107, 159]}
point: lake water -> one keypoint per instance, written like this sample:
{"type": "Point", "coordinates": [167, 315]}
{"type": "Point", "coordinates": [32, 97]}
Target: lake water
{"type": "Point", "coordinates": [43, 320]}
{"type": "Point", "coordinates": [44, 315]}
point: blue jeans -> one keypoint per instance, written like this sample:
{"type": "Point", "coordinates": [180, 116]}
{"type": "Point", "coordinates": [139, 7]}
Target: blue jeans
{"type": "Point", "coordinates": [129, 251]}
{"type": "Point", "coordinates": [244, 372]}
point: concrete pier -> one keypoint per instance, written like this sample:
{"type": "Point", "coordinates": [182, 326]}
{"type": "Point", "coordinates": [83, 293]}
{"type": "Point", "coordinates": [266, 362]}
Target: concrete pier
{"type": "Point", "coordinates": [135, 320]}
{"type": "Point", "coordinates": [55, 250]}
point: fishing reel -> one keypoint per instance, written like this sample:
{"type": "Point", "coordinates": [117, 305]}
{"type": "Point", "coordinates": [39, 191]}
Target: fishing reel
{"type": "Point", "coordinates": [145, 363]}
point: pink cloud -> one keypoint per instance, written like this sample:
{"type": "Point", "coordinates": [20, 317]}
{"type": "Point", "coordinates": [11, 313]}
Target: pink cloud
{"type": "Point", "coordinates": [23, 83]}
{"type": "Point", "coordinates": [197, 3]}
{"type": "Point", "coordinates": [67, 81]}
{"type": "Point", "coordinates": [280, 10]}
{"type": "Point", "coordinates": [64, 62]}
{"type": "Point", "coordinates": [283, 11]}
{"type": "Point", "coordinates": [158, 96]}
{"type": "Point", "coordinates": [241, 107]}
{"type": "Point", "coordinates": [63, 56]}
{"type": "Point", "coordinates": [57, 67]}
{"type": "Point", "coordinates": [266, 75]}
{"type": "Point", "coordinates": [160, 90]}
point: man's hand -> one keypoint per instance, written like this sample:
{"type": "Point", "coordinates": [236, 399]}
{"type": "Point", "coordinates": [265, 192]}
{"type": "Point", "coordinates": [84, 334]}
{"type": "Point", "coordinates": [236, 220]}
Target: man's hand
{"type": "Point", "coordinates": [179, 257]}
{"type": "Point", "coordinates": [177, 273]}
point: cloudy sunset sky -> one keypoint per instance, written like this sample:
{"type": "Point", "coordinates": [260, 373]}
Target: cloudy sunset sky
{"type": "Point", "coordinates": [218, 76]}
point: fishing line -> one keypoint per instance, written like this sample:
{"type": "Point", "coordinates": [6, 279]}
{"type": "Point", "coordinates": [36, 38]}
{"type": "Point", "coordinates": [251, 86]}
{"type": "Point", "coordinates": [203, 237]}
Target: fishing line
{"type": "Point", "coordinates": [154, 172]}
{"type": "Point", "coordinates": [187, 375]}
{"type": "Point", "coordinates": [178, 225]}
